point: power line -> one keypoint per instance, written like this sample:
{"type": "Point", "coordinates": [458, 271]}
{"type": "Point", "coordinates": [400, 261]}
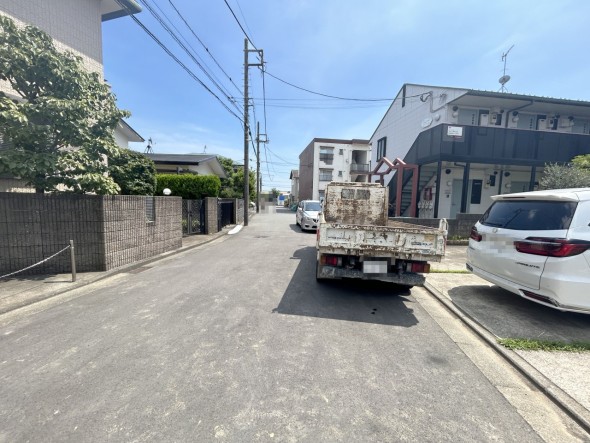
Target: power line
{"type": "Point", "coordinates": [240, 25]}
{"type": "Point", "coordinates": [176, 59]}
{"type": "Point", "coordinates": [203, 45]}
{"type": "Point", "coordinates": [189, 53]}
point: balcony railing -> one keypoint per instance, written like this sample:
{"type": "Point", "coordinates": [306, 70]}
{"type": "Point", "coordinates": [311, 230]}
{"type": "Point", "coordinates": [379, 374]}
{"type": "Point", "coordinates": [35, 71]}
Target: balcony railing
{"type": "Point", "coordinates": [326, 157]}
{"type": "Point", "coordinates": [360, 168]}
{"type": "Point", "coordinates": [325, 177]}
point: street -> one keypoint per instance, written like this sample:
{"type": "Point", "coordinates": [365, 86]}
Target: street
{"type": "Point", "coordinates": [236, 341]}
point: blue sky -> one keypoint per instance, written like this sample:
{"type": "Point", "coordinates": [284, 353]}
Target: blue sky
{"type": "Point", "coordinates": [344, 48]}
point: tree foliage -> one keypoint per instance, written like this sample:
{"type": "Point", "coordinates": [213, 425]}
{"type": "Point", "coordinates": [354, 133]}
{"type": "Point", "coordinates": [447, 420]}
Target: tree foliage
{"type": "Point", "coordinates": [134, 172]}
{"type": "Point", "coordinates": [60, 124]}
{"type": "Point", "coordinates": [558, 176]}
{"type": "Point", "coordinates": [189, 186]}
{"type": "Point", "coordinates": [233, 186]}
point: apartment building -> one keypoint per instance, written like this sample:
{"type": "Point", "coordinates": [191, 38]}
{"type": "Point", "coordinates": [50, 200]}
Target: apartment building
{"type": "Point", "coordinates": [325, 160]}
{"type": "Point", "coordinates": [471, 144]}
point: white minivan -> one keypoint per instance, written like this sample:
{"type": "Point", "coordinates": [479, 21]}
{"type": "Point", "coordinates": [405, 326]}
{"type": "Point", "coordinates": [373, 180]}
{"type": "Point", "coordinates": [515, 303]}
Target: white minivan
{"type": "Point", "coordinates": [537, 245]}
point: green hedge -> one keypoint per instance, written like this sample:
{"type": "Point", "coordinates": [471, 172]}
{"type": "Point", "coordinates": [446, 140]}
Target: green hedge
{"type": "Point", "coordinates": [189, 186]}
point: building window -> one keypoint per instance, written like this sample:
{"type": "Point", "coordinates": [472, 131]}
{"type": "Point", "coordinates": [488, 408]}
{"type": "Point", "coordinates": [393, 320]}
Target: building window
{"type": "Point", "coordinates": [341, 151]}
{"type": "Point", "coordinates": [381, 147]}
{"type": "Point", "coordinates": [326, 154]}
{"type": "Point", "coordinates": [325, 175]}
{"type": "Point", "coordinates": [339, 173]}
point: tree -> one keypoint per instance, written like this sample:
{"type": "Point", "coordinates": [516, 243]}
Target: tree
{"type": "Point", "coordinates": [134, 172]}
{"type": "Point", "coordinates": [558, 176]}
{"type": "Point", "coordinates": [582, 161]}
{"type": "Point", "coordinates": [60, 127]}
{"type": "Point", "coordinates": [275, 192]}
{"type": "Point", "coordinates": [233, 185]}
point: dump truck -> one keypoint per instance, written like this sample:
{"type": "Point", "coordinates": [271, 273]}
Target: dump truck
{"type": "Point", "coordinates": [356, 238]}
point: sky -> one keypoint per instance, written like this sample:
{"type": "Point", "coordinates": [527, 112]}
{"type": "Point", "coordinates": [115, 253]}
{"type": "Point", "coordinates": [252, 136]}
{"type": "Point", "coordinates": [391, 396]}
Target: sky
{"type": "Point", "coordinates": [356, 50]}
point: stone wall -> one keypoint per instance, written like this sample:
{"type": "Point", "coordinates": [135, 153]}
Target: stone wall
{"type": "Point", "coordinates": [108, 231]}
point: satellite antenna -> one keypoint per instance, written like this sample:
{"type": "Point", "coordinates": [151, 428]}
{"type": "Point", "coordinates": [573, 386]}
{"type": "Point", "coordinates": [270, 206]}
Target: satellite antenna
{"type": "Point", "coordinates": [505, 78]}
{"type": "Point", "coordinates": [148, 148]}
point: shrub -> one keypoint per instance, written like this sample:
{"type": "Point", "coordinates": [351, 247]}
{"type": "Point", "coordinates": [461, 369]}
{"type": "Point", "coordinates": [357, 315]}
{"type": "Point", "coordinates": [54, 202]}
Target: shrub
{"type": "Point", "coordinates": [189, 186]}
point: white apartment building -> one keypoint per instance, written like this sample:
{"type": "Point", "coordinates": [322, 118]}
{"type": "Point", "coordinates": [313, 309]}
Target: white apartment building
{"type": "Point", "coordinates": [325, 160]}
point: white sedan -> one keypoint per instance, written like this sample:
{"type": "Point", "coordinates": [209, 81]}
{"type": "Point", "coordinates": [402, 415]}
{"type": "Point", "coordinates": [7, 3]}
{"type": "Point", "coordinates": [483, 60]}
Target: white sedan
{"type": "Point", "coordinates": [537, 245]}
{"type": "Point", "coordinates": [307, 214]}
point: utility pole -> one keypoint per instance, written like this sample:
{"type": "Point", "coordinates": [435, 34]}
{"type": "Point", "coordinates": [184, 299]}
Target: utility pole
{"type": "Point", "coordinates": [258, 181]}
{"type": "Point", "coordinates": [247, 127]}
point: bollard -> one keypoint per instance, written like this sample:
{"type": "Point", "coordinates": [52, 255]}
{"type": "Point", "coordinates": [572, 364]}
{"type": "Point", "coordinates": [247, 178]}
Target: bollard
{"type": "Point", "coordinates": [73, 258]}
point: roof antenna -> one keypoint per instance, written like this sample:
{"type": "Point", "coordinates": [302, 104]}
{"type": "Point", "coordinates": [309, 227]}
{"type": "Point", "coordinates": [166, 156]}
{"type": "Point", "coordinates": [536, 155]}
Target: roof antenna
{"type": "Point", "coordinates": [148, 148]}
{"type": "Point", "coordinates": [205, 149]}
{"type": "Point", "coordinates": [505, 78]}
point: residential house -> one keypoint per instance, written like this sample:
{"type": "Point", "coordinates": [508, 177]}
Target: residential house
{"type": "Point", "coordinates": [325, 160]}
{"type": "Point", "coordinates": [470, 145]}
{"type": "Point", "coordinates": [202, 164]}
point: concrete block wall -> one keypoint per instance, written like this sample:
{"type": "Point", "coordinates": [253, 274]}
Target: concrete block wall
{"type": "Point", "coordinates": [211, 215]}
{"type": "Point", "coordinates": [36, 226]}
{"type": "Point", "coordinates": [129, 235]}
{"type": "Point", "coordinates": [458, 227]}
{"type": "Point", "coordinates": [108, 231]}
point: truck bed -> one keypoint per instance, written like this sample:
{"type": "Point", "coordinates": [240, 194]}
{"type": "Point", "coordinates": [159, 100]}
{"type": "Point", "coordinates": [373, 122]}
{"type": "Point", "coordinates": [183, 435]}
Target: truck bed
{"type": "Point", "coordinates": [396, 239]}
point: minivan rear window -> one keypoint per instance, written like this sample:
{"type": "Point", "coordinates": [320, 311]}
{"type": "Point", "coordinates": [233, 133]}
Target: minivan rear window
{"type": "Point", "coordinates": [529, 215]}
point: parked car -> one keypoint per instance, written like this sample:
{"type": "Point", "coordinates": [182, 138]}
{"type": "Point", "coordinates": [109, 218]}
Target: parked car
{"type": "Point", "coordinates": [307, 214]}
{"type": "Point", "coordinates": [536, 245]}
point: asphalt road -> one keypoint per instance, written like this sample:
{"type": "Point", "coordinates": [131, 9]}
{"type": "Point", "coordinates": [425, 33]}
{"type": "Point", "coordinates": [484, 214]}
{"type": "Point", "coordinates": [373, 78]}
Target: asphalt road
{"type": "Point", "coordinates": [235, 341]}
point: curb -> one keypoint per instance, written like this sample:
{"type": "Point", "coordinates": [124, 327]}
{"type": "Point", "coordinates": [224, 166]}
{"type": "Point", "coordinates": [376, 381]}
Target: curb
{"type": "Point", "coordinates": [566, 403]}
{"type": "Point", "coordinates": [106, 274]}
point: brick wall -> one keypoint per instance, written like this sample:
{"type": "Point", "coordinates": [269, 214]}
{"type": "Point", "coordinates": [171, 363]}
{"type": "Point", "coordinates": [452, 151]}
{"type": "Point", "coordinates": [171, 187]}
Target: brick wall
{"type": "Point", "coordinates": [211, 215]}
{"type": "Point", "coordinates": [108, 231]}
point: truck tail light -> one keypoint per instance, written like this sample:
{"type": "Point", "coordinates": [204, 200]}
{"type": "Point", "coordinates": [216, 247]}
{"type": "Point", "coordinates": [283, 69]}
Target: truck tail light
{"type": "Point", "coordinates": [332, 260]}
{"type": "Point", "coordinates": [475, 235]}
{"type": "Point", "coordinates": [420, 267]}
{"type": "Point", "coordinates": [552, 247]}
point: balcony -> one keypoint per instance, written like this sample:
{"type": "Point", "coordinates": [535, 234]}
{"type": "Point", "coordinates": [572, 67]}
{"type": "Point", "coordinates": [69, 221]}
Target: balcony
{"type": "Point", "coordinates": [360, 168]}
{"type": "Point", "coordinates": [325, 177]}
{"type": "Point", "coordinates": [328, 158]}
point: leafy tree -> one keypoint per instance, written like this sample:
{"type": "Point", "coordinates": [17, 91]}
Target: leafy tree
{"type": "Point", "coordinates": [582, 161]}
{"type": "Point", "coordinates": [60, 127]}
{"type": "Point", "coordinates": [275, 192]}
{"type": "Point", "coordinates": [558, 176]}
{"type": "Point", "coordinates": [134, 172]}
{"type": "Point", "coordinates": [189, 186]}
{"type": "Point", "coordinates": [233, 186]}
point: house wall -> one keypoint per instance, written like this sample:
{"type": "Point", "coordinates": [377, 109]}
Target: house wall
{"type": "Point", "coordinates": [74, 25]}
{"type": "Point", "coordinates": [306, 173]}
{"type": "Point", "coordinates": [108, 231]}
{"type": "Point", "coordinates": [405, 119]}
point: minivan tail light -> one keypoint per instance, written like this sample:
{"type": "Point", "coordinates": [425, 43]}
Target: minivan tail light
{"type": "Point", "coordinates": [552, 247]}
{"type": "Point", "coordinates": [475, 235]}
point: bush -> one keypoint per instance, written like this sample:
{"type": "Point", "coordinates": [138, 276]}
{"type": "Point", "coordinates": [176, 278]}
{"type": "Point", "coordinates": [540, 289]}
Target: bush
{"type": "Point", "coordinates": [189, 186]}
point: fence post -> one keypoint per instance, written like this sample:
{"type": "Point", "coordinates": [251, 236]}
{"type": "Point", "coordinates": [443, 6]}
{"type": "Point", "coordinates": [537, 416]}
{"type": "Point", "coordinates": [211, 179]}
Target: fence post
{"type": "Point", "coordinates": [73, 259]}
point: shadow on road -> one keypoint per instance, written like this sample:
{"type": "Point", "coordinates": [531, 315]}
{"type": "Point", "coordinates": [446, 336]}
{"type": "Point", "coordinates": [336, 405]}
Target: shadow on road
{"type": "Point", "coordinates": [509, 316]}
{"type": "Point", "coordinates": [350, 300]}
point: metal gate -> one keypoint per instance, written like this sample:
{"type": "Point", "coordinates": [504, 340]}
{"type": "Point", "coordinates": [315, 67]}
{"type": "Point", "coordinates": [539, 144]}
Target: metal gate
{"type": "Point", "coordinates": [225, 212]}
{"type": "Point", "coordinates": [193, 217]}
